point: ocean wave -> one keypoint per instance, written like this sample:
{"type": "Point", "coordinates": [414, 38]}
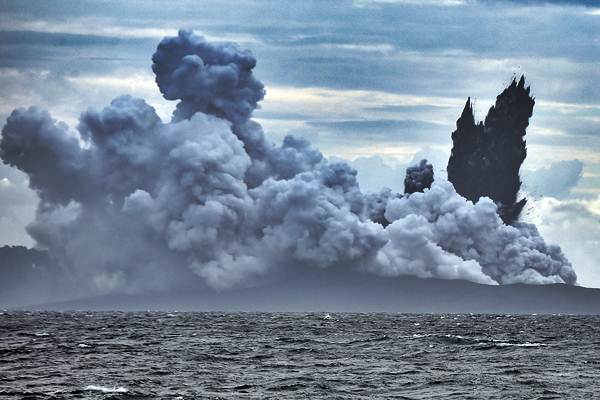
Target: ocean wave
{"type": "Point", "coordinates": [254, 355]}
{"type": "Point", "coordinates": [490, 343]}
{"type": "Point", "coordinates": [526, 344]}
{"type": "Point", "coordinates": [105, 389]}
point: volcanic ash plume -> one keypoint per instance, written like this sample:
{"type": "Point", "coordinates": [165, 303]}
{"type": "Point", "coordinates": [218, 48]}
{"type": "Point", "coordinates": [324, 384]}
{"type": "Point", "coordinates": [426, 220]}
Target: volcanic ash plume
{"type": "Point", "coordinates": [486, 157]}
{"type": "Point", "coordinates": [129, 202]}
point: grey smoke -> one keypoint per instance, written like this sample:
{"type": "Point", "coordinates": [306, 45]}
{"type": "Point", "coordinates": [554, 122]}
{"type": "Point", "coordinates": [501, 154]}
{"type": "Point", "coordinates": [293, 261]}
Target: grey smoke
{"type": "Point", "coordinates": [418, 177]}
{"type": "Point", "coordinates": [18, 205]}
{"type": "Point", "coordinates": [129, 202]}
{"type": "Point", "coordinates": [451, 225]}
{"type": "Point", "coordinates": [216, 79]}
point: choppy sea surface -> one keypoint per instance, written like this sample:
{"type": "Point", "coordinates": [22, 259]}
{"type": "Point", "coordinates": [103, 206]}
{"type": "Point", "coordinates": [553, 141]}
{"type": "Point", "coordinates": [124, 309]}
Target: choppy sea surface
{"type": "Point", "coordinates": [156, 355]}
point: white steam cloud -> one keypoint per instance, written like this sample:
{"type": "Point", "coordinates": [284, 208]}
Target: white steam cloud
{"type": "Point", "coordinates": [128, 201]}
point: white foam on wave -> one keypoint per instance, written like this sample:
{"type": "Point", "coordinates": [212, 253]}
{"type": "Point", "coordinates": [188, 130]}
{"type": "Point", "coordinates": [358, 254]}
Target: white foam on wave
{"type": "Point", "coordinates": [526, 344]}
{"type": "Point", "coordinates": [454, 336]}
{"type": "Point", "coordinates": [105, 389]}
{"type": "Point", "coordinates": [426, 335]}
{"type": "Point", "coordinates": [83, 345]}
{"type": "Point", "coordinates": [422, 335]}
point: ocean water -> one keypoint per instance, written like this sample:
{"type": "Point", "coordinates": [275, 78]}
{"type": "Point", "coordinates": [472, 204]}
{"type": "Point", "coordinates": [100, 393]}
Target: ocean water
{"type": "Point", "coordinates": [156, 355]}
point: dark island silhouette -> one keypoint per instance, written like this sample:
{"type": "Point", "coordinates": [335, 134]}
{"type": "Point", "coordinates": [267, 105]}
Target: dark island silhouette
{"type": "Point", "coordinates": [32, 282]}
{"type": "Point", "coordinates": [322, 290]}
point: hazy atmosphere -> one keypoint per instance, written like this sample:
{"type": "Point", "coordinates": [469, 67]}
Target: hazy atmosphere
{"type": "Point", "coordinates": [109, 174]}
{"type": "Point", "coordinates": [364, 199]}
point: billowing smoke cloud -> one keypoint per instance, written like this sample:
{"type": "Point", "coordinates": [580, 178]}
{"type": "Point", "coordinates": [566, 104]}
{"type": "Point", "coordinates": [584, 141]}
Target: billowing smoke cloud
{"type": "Point", "coordinates": [215, 79]}
{"type": "Point", "coordinates": [18, 205]}
{"type": "Point", "coordinates": [131, 202]}
{"type": "Point", "coordinates": [448, 224]}
{"type": "Point", "coordinates": [418, 177]}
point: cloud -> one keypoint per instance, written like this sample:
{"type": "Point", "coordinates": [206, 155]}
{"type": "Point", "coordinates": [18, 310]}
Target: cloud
{"type": "Point", "coordinates": [420, 70]}
{"type": "Point", "coordinates": [216, 79]}
{"type": "Point", "coordinates": [375, 172]}
{"type": "Point", "coordinates": [440, 43]}
{"type": "Point", "coordinates": [130, 203]}
{"type": "Point", "coordinates": [21, 37]}
{"type": "Point", "coordinates": [585, 3]}
{"type": "Point", "coordinates": [405, 130]}
{"type": "Point", "coordinates": [18, 206]}
{"type": "Point", "coordinates": [436, 3]}
{"type": "Point", "coordinates": [575, 224]}
{"type": "Point", "coordinates": [406, 108]}
{"type": "Point", "coordinates": [556, 180]}
{"type": "Point", "coordinates": [473, 232]}
{"type": "Point", "coordinates": [418, 177]}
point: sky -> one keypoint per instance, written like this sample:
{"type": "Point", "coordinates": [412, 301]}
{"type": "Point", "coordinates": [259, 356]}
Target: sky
{"type": "Point", "coordinates": [379, 83]}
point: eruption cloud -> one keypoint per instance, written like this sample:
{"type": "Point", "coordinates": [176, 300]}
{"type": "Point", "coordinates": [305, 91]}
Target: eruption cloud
{"type": "Point", "coordinates": [129, 202]}
{"type": "Point", "coordinates": [418, 177]}
{"type": "Point", "coordinates": [486, 157]}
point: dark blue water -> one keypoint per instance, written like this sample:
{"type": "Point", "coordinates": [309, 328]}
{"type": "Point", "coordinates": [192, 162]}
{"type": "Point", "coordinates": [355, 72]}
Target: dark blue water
{"type": "Point", "coordinates": [247, 355]}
